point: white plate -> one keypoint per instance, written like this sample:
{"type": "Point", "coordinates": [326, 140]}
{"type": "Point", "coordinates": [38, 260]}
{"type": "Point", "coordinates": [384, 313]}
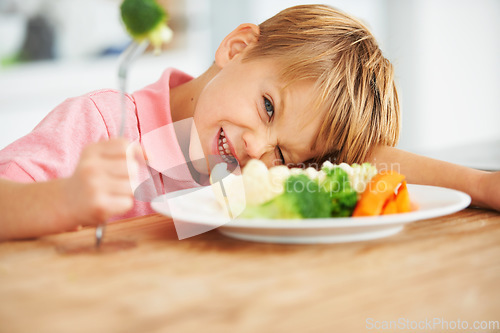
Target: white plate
{"type": "Point", "coordinates": [200, 209]}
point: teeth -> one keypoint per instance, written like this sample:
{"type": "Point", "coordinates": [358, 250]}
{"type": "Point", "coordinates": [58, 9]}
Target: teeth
{"type": "Point", "coordinates": [224, 150]}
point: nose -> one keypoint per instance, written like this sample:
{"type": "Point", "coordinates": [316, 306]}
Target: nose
{"type": "Point", "coordinates": [256, 144]}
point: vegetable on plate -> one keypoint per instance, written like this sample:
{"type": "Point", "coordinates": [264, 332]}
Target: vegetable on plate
{"type": "Point", "coordinates": [334, 191]}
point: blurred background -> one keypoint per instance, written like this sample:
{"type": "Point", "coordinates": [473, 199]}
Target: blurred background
{"type": "Point", "coordinates": [446, 54]}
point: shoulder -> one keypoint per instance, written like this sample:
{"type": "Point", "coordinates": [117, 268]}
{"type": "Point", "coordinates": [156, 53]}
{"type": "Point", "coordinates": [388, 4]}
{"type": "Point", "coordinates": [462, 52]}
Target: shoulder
{"type": "Point", "coordinates": [107, 97]}
{"type": "Point", "coordinates": [108, 102]}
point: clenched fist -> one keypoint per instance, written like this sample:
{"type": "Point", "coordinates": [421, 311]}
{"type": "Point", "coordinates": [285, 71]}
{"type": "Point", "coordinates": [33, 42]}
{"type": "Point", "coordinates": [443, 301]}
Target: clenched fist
{"type": "Point", "coordinates": [100, 186]}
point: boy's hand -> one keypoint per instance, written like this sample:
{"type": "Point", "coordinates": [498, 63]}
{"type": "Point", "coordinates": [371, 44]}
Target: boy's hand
{"type": "Point", "coordinates": [100, 186]}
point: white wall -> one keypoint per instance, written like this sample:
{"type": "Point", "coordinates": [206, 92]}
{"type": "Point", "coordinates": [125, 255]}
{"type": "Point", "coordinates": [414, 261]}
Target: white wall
{"type": "Point", "coordinates": [447, 58]}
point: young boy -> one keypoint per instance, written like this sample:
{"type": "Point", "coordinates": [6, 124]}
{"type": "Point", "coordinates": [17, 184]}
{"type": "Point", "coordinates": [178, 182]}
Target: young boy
{"type": "Point", "coordinates": [308, 85]}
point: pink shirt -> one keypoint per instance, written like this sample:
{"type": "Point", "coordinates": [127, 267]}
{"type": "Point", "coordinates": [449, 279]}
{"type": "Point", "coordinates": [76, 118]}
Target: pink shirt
{"type": "Point", "coordinates": [52, 150]}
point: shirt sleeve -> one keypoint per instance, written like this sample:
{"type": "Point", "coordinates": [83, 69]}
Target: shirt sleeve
{"type": "Point", "coordinates": [52, 150]}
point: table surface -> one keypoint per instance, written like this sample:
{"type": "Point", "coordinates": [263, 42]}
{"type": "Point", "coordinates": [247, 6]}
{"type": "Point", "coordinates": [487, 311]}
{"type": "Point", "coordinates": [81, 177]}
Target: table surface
{"type": "Point", "coordinates": [442, 271]}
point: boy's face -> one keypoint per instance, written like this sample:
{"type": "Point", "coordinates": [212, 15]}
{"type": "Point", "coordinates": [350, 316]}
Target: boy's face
{"type": "Point", "coordinates": [244, 113]}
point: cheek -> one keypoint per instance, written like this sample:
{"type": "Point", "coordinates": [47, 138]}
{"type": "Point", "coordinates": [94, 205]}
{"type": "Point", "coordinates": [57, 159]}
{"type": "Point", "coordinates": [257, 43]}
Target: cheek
{"type": "Point", "coordinates": [208, 105]}
{"type": "Point", "coordinates": [269, 159]}
{"type": "Point", "coordinates": [196, 153]}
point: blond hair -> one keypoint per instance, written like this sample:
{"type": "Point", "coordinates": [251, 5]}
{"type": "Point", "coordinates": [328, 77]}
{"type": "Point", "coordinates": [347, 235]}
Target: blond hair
{"type": "Point", "coordinates": [353, 80]}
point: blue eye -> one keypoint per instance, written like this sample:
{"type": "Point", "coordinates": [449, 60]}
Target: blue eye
{"type": "Point", "coordinates": [269, 107]}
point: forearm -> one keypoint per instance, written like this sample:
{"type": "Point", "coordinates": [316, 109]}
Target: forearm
{"type": "Point", "coordinates": [33, 210]}
{"type": "Point", "coordinates": [427, 171]}
{"type": "Point", "coordinates": [98, 189]}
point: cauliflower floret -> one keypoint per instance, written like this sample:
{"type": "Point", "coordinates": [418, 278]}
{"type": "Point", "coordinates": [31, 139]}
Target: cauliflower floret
{"type": "Point", "coordinates": [362, 174]}
{"type": "Point", "coordinates": [277, 177]}
{"type": "Point", "coordinates": [347, 168]}
{"type": "Point", "coordinates": [311, 173]}
{"type": "Point", "coordinates": [258, 188]}
{"type": "Point", "coordinates": [359, 175]}
{"type": "Point", "coordinates": [230, 191]}
{"type": "Point", "coordinates": [327, 164]}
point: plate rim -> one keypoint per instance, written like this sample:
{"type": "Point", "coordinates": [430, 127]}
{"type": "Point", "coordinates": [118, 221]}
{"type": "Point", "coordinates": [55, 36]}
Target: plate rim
{"type": "Point", "coordinates": [463, 200]}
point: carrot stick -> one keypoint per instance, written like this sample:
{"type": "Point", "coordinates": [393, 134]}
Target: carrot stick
{"type": "Point", "coordinates": [390, 206]}
{"type": "Point", "coordinates": [403, 199]}
{"type": "Point", "coordinates": [378, 191]}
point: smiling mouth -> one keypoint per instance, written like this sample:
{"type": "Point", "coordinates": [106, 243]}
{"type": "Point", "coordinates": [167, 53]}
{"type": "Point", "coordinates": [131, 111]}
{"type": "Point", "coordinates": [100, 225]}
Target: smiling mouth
{"type": "Point", "coordinates": [224, 150]}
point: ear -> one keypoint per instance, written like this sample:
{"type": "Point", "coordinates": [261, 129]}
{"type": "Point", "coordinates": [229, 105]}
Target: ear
{"type": "Point", "coordinates": [234, 43]}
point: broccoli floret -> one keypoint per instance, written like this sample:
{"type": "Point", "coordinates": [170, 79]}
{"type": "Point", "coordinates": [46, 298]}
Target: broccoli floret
{"type": "Point", "coordinates": [302, 198]}
{"type": "Point", "coordinates": [276, 208]}
{"type": "Point", "coordinates": [145, 19]}
{"type": "Point", "coordinates": [343, 196]}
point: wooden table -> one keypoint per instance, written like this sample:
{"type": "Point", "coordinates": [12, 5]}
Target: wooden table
{"type": "Point", "coordinates": [146, 280]}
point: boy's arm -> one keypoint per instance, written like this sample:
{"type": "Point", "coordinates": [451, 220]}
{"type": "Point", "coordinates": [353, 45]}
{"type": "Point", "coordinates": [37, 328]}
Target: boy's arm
{"type": "Point", "coordinates": [98, 189]}
{"type": "Point", "coordinates": [33, 209]}
{"type": "Point", "coordinates": [482, 186]}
